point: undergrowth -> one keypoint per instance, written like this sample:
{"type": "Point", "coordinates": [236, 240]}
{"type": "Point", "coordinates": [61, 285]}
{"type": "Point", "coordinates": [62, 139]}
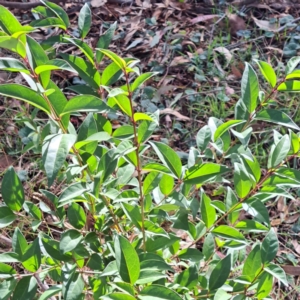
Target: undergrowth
{"type": "Point", "coordinates": [121, 215]}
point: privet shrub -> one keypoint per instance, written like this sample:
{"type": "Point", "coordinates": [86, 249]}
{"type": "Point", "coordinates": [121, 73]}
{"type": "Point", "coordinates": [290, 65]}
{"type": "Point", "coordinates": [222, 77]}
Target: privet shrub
{"type": "Point", "coordinates": [131, 221]}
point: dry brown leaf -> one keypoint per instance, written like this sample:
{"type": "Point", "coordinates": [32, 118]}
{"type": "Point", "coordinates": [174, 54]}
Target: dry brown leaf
{"type": "Point", "coordinates": [229, 91]}
{"type": "Point", "coordinates": [292, 270]}
{"type": "Point", "coordinates": [174, 113]}
{"type": "Point", "coordinates": [227, 54]}
{"type": "Point", "coordinates": [98, 3]}
{"type": "Point", "coordinates": [291, 219]}
{"type": "Point", "coordinates": [266, 25]}
{"type": "Point", "coordinates": [236, 23]}
{"type": "Point", "coordinates": [203, 18]}
{"type": "Point", "coordinates": [296, 246]}
{"type": "Point", "coordinates": [179, 60]}
{"type": "Point", "coordinates": [5, 162]}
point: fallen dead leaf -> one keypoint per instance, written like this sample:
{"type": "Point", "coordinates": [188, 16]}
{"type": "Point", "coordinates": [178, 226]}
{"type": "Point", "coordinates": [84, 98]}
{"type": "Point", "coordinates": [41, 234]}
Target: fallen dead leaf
{"type": "Point", "coordinates": [225, 52]}
{"type": "Point", "coordinates": [98, 3]}
{"type": "Point", "coordinates": [266, 25]}
{"type": "Point", "coordinates": [236, 23]}
{"type": "Point", "coordinates": [175, 113]}
{"type": "Point", "coordinates": [296, 246]}
{"type": "Point", "coordinates": [229, 91]}
{"type": "Point", "coordinates": [5, 162]}
{"type": "Point", "coordinates": [292, 270]}
{"type": "Point", "coordinates": [203, 18]}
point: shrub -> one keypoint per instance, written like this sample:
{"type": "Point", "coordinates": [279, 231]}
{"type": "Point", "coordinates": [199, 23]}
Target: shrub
{"type": "Point", "coordinates": [131, 220]}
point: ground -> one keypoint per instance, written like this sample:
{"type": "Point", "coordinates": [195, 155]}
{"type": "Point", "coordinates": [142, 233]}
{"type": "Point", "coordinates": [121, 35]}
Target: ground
{"type": "Point", "coordinates": [198, 49]}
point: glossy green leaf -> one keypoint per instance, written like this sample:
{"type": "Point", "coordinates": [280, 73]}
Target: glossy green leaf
{"type": "Point", "coordinates": [168, 157]}
{"type": "Point", "coordinates": [294, 75]}
{"type": "Point", "coordinates": [208, 212]}
{"type": "Point", "coordinates": [268, 72]}
{"type": "Point", "coordinates": [19, 243]}
{"type": "Point", "coordinates": [25, 289]}
{"type": "Point", "coordinates": [279, 152]}
{"type": "Point", "coordinates": [12, 190]}
{"type": "Point", "coordinates": [69, 240]}
{"type": "Point", "coordinates": [13, 44]}
{"type": "Point", "coordinates": [84, 20]}
{"type": "Point", "coordinates": [120, 62]}
{"type": "Point", "coordinates": [243, 137]}
{"type": "Point", "coordinates": [295, 142]}
{"type": "Point", "coordinates": [145, 130]}
{"type": "Point", "coordinates": [203, 137]}
{"type": "Point", "coordinates": [228, 233]}
{"type": "Point", "coordinates": [26, 94]}
{"type": "Point", "coordinates": [52, 291]}
{"type": "Point", "coordinates": [133, 213]}
{"type": "Point", "coordinates": [123, 103]}
{"type": "Point", "coordinates": [85, 69]}
{"type": "Point", "coordinates": [151, 181]}
{"type": "Point", "coordinates": [140, 80]}
{"type": "Point", "coordinates": [269, 247]}
{"type": "Point", "coordinates": [292, 64]}
{"type": "Point", "coordinates": [32, 210]}
{"type": "Point", "coordinates": [84, 47]}
{"type": "Point", "coordinates": [6, 216]}
{"type": "Point", "coordinates": [58, 11]}
{"type": "Point", "coordinates": [76, 215]}
{"type": "Point", "coordinates": [188, 278]}
{"type": "Point", "coordinates": [142, 116]}
{"type": "Point", "coordinates": [54, 152]}
{"type": "Point", "coordinates": [166, 184]}
{"type": "Point", "coordinates": [242, 182]}
{"type": "Point", "coordinates": [231, 201]}
{"type": "Point", "coordinates": [249, 88]}
{"type": "Point", "coordinates": [37, 57]}
{"type": "Point", "coordinates": [221, 295]}
{"type": "Point", "coordinates": [83, 90]}
{"type": "Point", "coordinates": [265, 284]}
{"type": "Point", "coordinates": [201, 173]}
{"type": "Point", "coordinates": [276, 116]}
{"type": "Point", "coordinates": [127, 260]}
{"type": "Point", "coordinates": [8, 21]}
{"type": "Point", "coordinates": [289, 86]}
{"type": "Point", "coordinates": [158, 292]}
{"type": "Point", "coordinates": [157, 167]}
{"type": "Point", "coordinates": [225, 127]}
{"type": "Point", "coordinates": [54, 64]}
{"type": "Point", "coordinates": [111, 74]}
{"type": "Point", "coordinates": [250, 226]}
{"type": "Point", "coordinates": [258, 210]}
{"type": "Point", "coordinates": [253, 264]}
{"type": "Point", "coordinates": [49, 22]}
{"type": "Point", "coordinates": [284, 177]}
{"type": "Point", "coordinates": [73, 288]}
{"type": "Point", "coordinates": [31, 259]}
{"type": "Point", "coordinates": [252, 166]}
{"type": "Point", "coordinates": [72, 191]}
{"type": "Point", "coordinates": [58, 102]}
{"type": "Point", "coordinates": [7, 287]}
{"type": "Point", "coordinates": [277, 272]}
{"type": "Point", "coordinates": [85, 103]}
{"type": "Point", "coordinates": [12, 65]}
{"type": "Point", "coordinates": [118, 296]}
{"type": "Point", "coordinates": [193, 255]}
{"type": "Point", "coordinates": [220, 273]}
{"type": "Point", "coordinates": [105, 40]}
{"type": "Point", "coordinates": [6, 271]}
